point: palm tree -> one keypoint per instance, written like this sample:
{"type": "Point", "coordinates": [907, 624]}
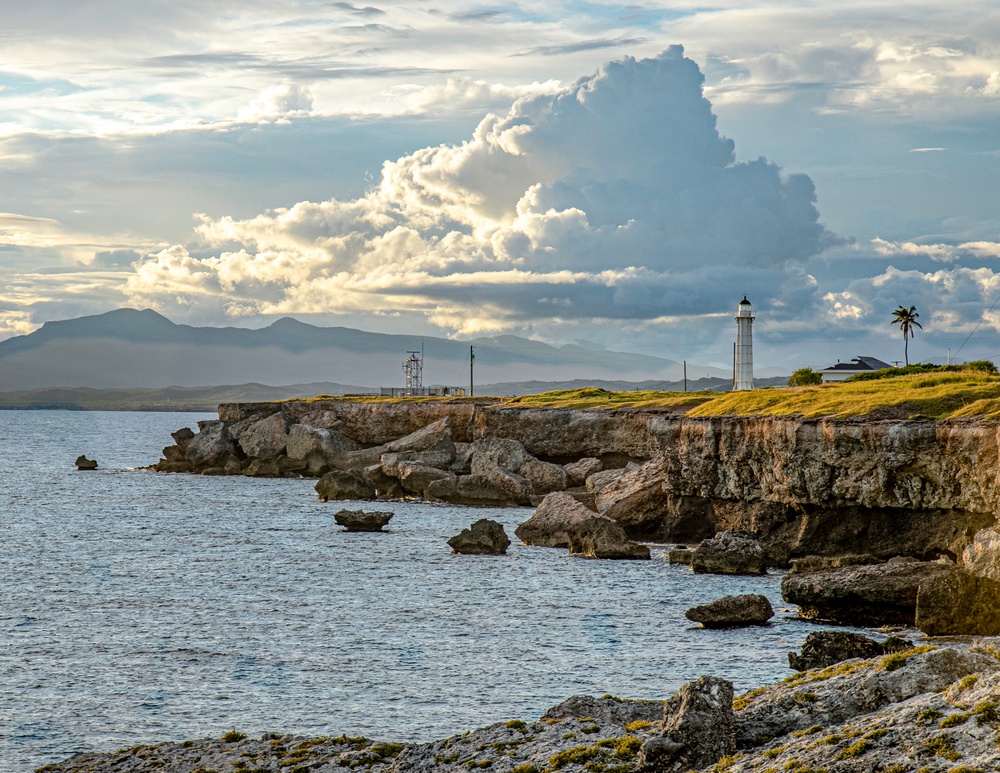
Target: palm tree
{"type": "Point", "coordinates": [906, 318]}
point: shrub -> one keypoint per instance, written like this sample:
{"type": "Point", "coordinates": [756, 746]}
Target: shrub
{"type": "Point", "coordinates": [233, 736]}
{"type": "Point", "coordinates": [805, 377]}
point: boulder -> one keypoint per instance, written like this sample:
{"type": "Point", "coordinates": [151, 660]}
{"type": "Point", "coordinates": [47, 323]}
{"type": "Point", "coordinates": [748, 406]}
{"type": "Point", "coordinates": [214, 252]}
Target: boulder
{"type": "Point", "coordinates": [874, 595]}
{"type": "Point", "coordinates": [262, 468]}
{"type": "Point", "coordinates": [360, 520]}
{"type": "Point", "coordinates": [680, 555]}
{"type": "Point", "coordinates": [544, 477]}
{"type": "Point", "coordinates": [599, 537]}
{"type": "Point", "coordinates": [815, 563]}
{"type": "Point", "coordinates": [824, 648]}
{"type": "Point", "coordinates": [357, 460]}
{"type": "Point", "coordinates": [322, 420]}
{"type": "Point", "coordinates": [955, 602]}
{"type": "Point", "coordinates": [304, 441]}
{"type": "Point", "coordinates": [385, 486]}
{"type": "Point", "coordinates": [340, 484]}
{"type": "Point", "coordinates": [83, 463]}
{"type": "Point", "coordinates": [606, 709]}
{"type": "Point", "coordinates": [982, 557]}
{"type": "Point", "coordinates": [265, 438]}
{"type": "Point", "coordinates": [436, 436]}
{"type": "Point", "coordinates": [484, 537]}
{"type": "Point", "coordinates": [469, 490]}
{"type": "Point", "coordinates": [699, 728]}
{"type": "Point", "coordinates": [598, 481]}
{"type": "Point", "coordinates": [391, 462]}
{"type": "Point", "coordinates": [211, 446]}
{"type": "Point", "coordinates": [580, 470]}
{"type": "Point", "coordinates": [462, 464]}
{"type": "Point", "coordinates": [558, 515]}
{"type": "Point", "coordinates": [415, 477]}
{"type": "Point", "coordinates": [182, 437]}
{"type": "Point", "coordinates": [499, 461]}
{"type": "Point", "coordinates": [733, 612]}
{"type": "Point", "coordinates": [730, 552]}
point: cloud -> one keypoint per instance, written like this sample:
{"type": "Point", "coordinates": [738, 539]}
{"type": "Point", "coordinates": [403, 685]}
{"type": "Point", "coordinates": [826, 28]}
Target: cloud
{"type": "Point", "coordinates": [277, 102]}
{"type": "Point", "coordinates": [613, 198]}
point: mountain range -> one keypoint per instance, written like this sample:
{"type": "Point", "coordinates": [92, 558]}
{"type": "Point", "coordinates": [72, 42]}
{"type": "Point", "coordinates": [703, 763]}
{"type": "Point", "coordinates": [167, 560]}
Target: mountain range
{"type": "Point", "coordinates": [128, 349]}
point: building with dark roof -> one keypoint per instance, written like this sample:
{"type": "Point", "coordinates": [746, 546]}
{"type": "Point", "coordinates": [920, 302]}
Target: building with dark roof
{"type": "Point", "coordinates": [844, 370]}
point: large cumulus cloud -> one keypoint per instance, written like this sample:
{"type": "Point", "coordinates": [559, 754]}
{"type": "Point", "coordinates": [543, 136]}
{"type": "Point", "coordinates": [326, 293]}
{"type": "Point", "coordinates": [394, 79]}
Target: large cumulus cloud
{"type": "Point", "coordinates": [613, 198]}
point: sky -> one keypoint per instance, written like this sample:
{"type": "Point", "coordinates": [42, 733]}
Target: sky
{"type": "Point", "coordinates": [617, 174]}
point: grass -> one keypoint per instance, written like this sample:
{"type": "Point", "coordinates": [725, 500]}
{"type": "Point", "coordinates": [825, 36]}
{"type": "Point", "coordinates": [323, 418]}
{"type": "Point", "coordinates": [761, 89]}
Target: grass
{"type": "Point", "coordinates": [936, 395]}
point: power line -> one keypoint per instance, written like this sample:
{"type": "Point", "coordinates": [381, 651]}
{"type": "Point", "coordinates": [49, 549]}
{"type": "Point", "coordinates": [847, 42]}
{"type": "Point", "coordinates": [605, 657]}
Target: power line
{"type": "Point", "coordinates": [981, 321]}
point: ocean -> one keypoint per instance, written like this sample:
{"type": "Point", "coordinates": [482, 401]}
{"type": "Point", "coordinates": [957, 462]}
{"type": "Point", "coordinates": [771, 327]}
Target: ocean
{"type": "Point", "coordinates": [141, 607]}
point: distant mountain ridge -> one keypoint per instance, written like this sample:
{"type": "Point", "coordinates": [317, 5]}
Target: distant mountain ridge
{"type": "Point", "coordinates": [129, 348]}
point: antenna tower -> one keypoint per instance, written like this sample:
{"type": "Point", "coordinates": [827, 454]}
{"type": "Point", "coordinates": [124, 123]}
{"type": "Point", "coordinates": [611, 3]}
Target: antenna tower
{"type": "Point", "coordinates": [413, 367]}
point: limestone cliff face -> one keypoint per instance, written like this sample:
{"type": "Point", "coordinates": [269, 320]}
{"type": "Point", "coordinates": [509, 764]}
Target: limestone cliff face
{"type": "Point", "coordinates": [920, 488]}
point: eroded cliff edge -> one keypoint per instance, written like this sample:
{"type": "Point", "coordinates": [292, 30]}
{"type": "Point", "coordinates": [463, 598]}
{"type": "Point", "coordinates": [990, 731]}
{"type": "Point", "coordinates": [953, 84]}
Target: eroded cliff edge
{"type": "Point", "coordinates": [806, 486]}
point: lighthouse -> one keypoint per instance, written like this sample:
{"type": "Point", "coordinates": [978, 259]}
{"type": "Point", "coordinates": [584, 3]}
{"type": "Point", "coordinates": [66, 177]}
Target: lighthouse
{"type": "Point", "coordinates": [743, 356]}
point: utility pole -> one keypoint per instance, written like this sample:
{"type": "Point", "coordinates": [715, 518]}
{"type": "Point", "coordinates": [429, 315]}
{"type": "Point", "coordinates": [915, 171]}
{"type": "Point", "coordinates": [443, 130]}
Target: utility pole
{"type": "Point", "coordinates": [472, 361]}
{"type": "Point", "coordinates": [685, 375]}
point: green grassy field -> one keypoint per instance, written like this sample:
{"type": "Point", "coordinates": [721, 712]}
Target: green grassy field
{"type": "Point", "coordinates": [912, 396]}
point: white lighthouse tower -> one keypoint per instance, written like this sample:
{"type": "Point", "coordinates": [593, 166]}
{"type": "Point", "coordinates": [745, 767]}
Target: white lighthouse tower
{"type": "Point", "coordinates": [743, 360]}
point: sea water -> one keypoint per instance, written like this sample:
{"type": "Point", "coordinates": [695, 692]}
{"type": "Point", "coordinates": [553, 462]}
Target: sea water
{"type": "Point", "coordinates": [140, 607]}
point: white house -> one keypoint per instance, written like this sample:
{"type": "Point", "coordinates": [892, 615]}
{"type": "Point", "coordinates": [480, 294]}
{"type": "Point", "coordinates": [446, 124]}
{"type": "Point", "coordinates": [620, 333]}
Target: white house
{"type": "Point", "coordinates": [844, 370]}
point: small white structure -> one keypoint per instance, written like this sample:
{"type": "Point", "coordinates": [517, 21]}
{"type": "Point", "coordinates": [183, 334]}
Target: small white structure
{"type": "Point", "coordinates": [844, 370]}
{"type": "Point", "coordinates": [743, 356]}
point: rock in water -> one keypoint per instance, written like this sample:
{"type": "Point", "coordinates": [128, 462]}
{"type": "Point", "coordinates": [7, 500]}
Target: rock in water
{"type": "Point", "coordinates": [359, 520]}
{"type": "Point", "coordinates": [699, 728]}
{"type": "Point", "coordinates": [731, 552]}
{"type": "Point", "coordinates": [484, 537]}
{"type": "Point", "coordinates": [344, 485]}
{"type": "Point", "coordinates": [556, 518]}
{"type": "Point", "coordinates": [733, 612]}
{"type": "Point", "coordinates": [83, 463]}
{"type": "Point", "coordinates": [599, 537]}
{"type": "Point", "coordinates": [824, 648]}
{"type": "Point", "coordinates": [954, 602]}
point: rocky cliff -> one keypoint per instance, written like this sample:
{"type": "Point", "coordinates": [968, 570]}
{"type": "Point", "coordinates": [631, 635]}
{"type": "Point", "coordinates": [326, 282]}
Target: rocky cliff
{"type": "Point", "coordinates": [807, 486]}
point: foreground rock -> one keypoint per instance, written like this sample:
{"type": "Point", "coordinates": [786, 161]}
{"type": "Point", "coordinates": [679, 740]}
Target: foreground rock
{"type": "Point", "coordinates": [957, 603]}
{"type": "Point", "coordinates": [733, 612]}
{"type": "Point", "coordinates": [935, 710]}
{"type": "Point", "coordinates": [484, 537]}
{"type": "Point", "coordinates": [730, 552]}
{"type": "Point", "coordinates": [880, 594]}
{"type": "Point", "coordinates": [555, 519]}
{"type": "Point", "coordinates": [599, 537]}
{"type": "Point", "coordinates": [360, 520]}
{"type": "Point", "coordinates": [824, 648]}
{"type": "Point", "coordinates": [83, 463]}
{"type": "Point", "coordinates": [698, 728]}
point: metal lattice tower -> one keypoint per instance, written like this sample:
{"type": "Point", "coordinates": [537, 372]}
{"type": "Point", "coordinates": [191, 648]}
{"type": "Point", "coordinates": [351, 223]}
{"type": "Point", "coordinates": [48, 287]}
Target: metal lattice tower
{"type": "Point", "coordinates": [413, 367]}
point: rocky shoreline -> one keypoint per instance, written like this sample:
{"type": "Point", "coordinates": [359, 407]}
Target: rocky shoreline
{"type": "Point", "coordinates": [922, 709]}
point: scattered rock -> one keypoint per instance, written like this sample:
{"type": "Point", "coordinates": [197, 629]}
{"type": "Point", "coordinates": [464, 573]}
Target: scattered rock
{"type": "Point", "coordinates": [816, 563]}
{"type": "Point", "coordinates": [499, 460]}
{"type": "Point", "coordinates": [361, 520]}
{"type": "Point", "coordinates": [581, 470]}
{"type": "Point", "coordinates": [262, 468]}
{"type": "Point", "coordinates": [879, 594]}
{"type": "Point", "coordinates": [607, 709]}
{"type": "Point", "coordinates": [304, 441]}
{"type": "Point", "coordinates": [680, 555]}
{"type": "Point", "coordinates": [824, 648]}
{"type": "Point", "coordinates": [599, 537]}
{"type": "Point", "coordinates": [556, 517]}
{"type": "Point", "coordinates": [469, 490]}
{"type": "Point", "coordinates": [733, 612]}
{"type": "Point", "coordinates": [265, 438]}
{"type": "Point", "coordinates": [484, 537]}
{"type": "Point", "coordinates": [955, 602]}
{"type": "Point", "coordinates": [435, 436]}
{"type": "Point", "coordinates": [598, 481]}
{"type": "Point", "coordinates": [83, 463]}
{"type": "Point", "coordinates": [340, 484]}
{"type": "Point", "coordinates": [544, 477]}
{"type": "Point", "coordinates": [730, 552]}
{"type": "Point", "coordinates": [699, 728]}
{"type": "Point", "coordinates": [416, 477]}
{"type": "Point", "coordinates": [211, 446]}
